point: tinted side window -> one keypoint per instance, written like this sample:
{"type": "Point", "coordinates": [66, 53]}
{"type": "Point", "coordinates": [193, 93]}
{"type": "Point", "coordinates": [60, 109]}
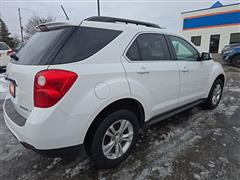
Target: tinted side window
{"type": "Point", "coordinates": [133, 52]}
{"type": "Point", "coordinates": [183, 49]}
{"type": "Point", "coordinates": [83, 43]}
{"type": "Point", "coordinates": [153, 47]}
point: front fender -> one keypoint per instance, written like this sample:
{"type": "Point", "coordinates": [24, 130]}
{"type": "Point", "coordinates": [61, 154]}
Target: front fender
{"type": "Point", "coordinates": [215, 71]}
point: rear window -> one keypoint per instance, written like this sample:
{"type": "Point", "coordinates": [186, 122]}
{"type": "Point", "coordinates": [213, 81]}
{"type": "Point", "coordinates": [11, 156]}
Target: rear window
{"type": "Point", "coordinates": [83, 43]}
{"type": "Point", "coordinates": [3, 47]}
{"type": "Point", "coordinates": [65, 45]}
{"type": "Point", "coordinates": [39, 48]}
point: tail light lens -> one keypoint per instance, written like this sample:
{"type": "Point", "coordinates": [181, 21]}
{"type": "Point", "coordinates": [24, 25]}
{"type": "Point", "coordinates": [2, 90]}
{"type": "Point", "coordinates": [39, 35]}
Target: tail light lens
{"type": "Point", "coordinates": [9, 52]}
{"type": "Point", "coordinates": [51, 85]}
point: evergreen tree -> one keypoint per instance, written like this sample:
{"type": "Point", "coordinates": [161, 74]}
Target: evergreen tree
{"type": "Point", "coordinates": [4, 35]}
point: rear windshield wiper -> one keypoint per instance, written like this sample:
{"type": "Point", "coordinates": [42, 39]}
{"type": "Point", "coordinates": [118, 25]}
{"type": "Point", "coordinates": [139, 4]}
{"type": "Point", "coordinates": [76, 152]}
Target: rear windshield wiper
{"type": "Point", "coordinates": [13, 56]}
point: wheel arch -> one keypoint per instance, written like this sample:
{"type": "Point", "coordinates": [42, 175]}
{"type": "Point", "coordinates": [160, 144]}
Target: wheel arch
{"type": "Point", "coordinates": [222, 77]}
{"type": "Point", "coordinates": [126, 103]}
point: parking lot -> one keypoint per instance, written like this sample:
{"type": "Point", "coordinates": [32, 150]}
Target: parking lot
{"type": "Point", "coordinates": [196, 144]}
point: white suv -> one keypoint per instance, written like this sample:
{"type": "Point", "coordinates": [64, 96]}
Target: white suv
{"type": "Point", "coordinates": [5, 53]}
{"type": "Point", "coordinates": [96, 83]}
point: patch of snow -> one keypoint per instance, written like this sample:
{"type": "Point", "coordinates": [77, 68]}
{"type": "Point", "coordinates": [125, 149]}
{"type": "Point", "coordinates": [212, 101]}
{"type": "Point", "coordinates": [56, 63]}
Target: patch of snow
{"type": "Point", "coordinates": [205, 173]}
{"type": "Point", "coordinates": [1, 132]}
{"type": "Point", "coordinates": [82, 166]}
{"type": "Point", "coordinates": [196, 176]}
{"type": "Point", "coordinates": [53, 164]}
{"type": "Point", "coordinates": [227, 110]}
{"type": "Point", "coordinates": [195, 138]}
{"type": "Point", "coordinates": [196, 165]}
{"type": "Point", "coordinates": [211, 164]}
{"type": "Point", "coordinates": [224, 160]}
{"type": "Point", "coordinates": [237, 129]}
{"type": "Point", "coordinates": [217, 131]}
{"type": "Point", "coordinates": [234, 89]}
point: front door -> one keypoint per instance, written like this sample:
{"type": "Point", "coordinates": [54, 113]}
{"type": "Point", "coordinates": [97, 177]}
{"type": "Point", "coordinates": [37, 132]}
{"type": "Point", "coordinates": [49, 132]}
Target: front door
{"type": "Point", "coordinates": [153, 76]}
{"type": "Point", "coordinates": [214, 43]}
{"type": "Point", "coordinates": [193, 73]}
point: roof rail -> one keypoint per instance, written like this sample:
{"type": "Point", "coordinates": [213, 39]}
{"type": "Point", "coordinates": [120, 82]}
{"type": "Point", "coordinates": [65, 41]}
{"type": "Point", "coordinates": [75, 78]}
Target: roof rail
{"type": "Point", "coordinates": [116, 20]}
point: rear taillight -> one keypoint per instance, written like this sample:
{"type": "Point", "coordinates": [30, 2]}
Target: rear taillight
{"type": "Point", "coordinates": [9, 52]}
{"type": "Point", "coordinates": [51, 85]}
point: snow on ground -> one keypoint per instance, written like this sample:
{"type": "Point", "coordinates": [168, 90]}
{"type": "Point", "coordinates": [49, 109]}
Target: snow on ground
{"type": "Point", "coordinates": [196, 144]}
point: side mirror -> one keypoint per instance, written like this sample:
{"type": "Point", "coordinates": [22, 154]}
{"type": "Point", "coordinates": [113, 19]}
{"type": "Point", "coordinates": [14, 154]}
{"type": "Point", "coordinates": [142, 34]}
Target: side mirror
{"type": "Point", "coordinates": [206, 56]}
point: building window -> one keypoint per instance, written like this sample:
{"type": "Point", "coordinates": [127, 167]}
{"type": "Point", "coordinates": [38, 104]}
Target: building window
{"type": "Point", "coordinates": [196, 40]}
{"type": "Point", "coordinates": [235, 38]}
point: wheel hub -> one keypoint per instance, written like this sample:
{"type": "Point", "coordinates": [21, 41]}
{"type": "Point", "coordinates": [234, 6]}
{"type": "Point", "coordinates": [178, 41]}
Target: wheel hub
{"type": "Point", "coordinates": [117, 139]}
{"type": "Point", "coordinates": [216, 94]}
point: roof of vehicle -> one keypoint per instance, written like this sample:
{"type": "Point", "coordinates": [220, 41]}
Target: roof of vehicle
{"type": "Point", "coordinates": [121, 20]}
{"type": "Point", "coordinates": [105, 22]}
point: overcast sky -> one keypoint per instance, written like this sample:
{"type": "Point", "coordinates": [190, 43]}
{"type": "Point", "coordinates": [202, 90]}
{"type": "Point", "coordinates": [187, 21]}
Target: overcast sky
{"type": "Point", "coordinates": [166, 13]}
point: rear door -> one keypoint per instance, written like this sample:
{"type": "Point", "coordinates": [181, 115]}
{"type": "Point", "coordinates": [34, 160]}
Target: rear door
{"type": "Point", "coordinates": [151, 73]}
{"type": "Point", "coordinates": [193, 72]}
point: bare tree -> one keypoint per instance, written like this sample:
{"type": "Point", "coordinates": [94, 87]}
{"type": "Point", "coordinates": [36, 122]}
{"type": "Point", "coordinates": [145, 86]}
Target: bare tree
{"type": "Point", "coordinates": [30, 27]}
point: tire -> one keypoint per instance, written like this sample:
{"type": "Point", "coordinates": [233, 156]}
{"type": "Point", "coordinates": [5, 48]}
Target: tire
{"type": "Point", "coordinates": [213, 98]}
{"type": "Point", "coordinates": [236, 61]}
{"type": "Point", "coordinates": [104, 159]}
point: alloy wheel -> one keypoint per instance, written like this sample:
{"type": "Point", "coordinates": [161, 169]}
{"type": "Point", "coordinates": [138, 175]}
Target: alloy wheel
{"type": "Point", "coordinates": [117, 139]}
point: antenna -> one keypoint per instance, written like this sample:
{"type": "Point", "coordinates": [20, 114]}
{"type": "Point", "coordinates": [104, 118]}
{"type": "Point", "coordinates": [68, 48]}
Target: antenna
{"type": "Point", "coordinates": [98, 7]}
{"type": "Point", "coordinates": [65, 12]}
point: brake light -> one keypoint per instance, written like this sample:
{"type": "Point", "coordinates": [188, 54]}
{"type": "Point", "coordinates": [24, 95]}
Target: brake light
{"type": "Point", "coordinates": [9, 52]}
{"type": "Point", "coordinates": [51, 85]}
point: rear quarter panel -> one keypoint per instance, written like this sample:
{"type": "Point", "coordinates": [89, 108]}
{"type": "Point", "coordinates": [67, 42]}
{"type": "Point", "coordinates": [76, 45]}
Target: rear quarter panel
{"type": "Point", "coordinates": [101, 81]}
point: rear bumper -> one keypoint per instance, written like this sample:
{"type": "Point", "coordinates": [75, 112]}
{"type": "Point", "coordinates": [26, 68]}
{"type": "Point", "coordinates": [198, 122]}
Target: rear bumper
{"type": "Point", "coordinates": [44, 129]}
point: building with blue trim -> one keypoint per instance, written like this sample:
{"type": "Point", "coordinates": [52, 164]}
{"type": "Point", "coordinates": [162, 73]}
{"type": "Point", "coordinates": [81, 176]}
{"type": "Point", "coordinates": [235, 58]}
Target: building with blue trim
{"type": "Point", "coordinates": [212, 28]}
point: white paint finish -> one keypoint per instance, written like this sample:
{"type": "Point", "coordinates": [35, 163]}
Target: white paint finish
{"type": "Point", "coordinates": [158, 88]}
{"type": "Point", "coordinates": [205, 33]}
{"type": "Point", "coordinates": [102, 90]}
{"type": "Point", "coordinates": [110, 76]}
{"type": "Point", "coordinates": [24, 76]}
{"type": "Point", "coordinates": [194, 77]}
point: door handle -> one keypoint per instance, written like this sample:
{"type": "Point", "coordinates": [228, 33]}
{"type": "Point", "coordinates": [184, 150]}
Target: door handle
{"type": "Point", "coordinates": [185, 69]}
{"type": "Point", "coordinates": [143, 70]}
